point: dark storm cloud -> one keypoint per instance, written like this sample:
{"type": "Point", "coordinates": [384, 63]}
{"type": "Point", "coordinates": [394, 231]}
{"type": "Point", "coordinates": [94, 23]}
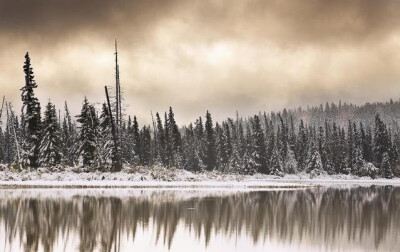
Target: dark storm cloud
{"type": "Point", "coordinates": [59, 20]}
{"type": "Point", "coordinates": [222, 55]}
{"type": "Point", "coordinates": [294, 21]}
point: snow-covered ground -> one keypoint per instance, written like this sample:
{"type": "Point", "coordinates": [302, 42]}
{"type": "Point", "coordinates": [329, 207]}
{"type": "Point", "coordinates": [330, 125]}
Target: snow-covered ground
{"type": "Point", "coordinates": [144, 177]}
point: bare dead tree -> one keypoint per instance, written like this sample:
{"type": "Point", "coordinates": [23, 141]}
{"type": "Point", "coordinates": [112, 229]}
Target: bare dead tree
{"type": "Point", "coordinates": [2, 106]}
{"type": "Point", "coordinates": [117, 162]}
{"type": "Point", "coordinates": [10, 118]}
{"type": "Point", "coordinates": [117, 90]}
{"type": "Point", "coordinates": [154, 125]}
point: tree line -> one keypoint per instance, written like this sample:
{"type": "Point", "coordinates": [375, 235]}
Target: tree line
{"type": "Point", "coordinates": [313, 141]}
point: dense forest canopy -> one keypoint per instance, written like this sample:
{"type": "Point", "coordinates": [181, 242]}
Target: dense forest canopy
{"type": "Point", "coordinates": [331, 138]}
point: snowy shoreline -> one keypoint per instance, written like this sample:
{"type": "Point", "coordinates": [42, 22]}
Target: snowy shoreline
{"type": "Point", "coordinates": [259, 184]}
{"type": "Point", "coordinates": [158, 177]}
{"type": "Point", "coordinates": [153, 184]}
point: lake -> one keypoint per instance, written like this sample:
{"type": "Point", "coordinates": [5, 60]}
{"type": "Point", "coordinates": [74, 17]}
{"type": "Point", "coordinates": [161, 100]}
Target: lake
{"type": "Point", "coordinates": [313, 219]}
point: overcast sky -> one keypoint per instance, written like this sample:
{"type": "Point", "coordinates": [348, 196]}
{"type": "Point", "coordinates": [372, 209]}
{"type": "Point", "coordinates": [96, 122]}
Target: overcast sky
{"type": "Point", "coordinates": [221, 55]}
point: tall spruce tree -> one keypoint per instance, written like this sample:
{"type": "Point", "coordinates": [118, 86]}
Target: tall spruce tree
{"type": "Point", "coordinates": [221, 149]}
{"type": "Point", "coordinates": [106, 148]}
{"type": "Point", "coordinates": [258, 154]}
{"type": "Point", "coordinates": [128, 141]}
{"type": "Point", "coordinates": [51, 142]}
{"type": "Point", "coordinates": [145, 146]}
{"type": "Point", "coordinates": [168, 143]}
{"type": "Point", "coordinates": [88, 133]}
{"type": "Point", "coordinates": [314, 163]}
{"type": "Point", "coordinates": [284, 137]}
{"type": "Point", "coordinates": [191, 150]}
{"type": "Point", "coordinates": [302, 147]}
{"type": "Point", "coordinates": [350, 146]}
{"type": "Point", "coordinates": [161, 141]}
{"type": "Point", "coordinates": [329, 146]}
{"type": "Point", "coordinates": [381, 141]}
{"type": "Point", "coordinates": [248, 163]}
{"type": "Point", "coordinates": [31, 118]}
{"type": "Point", "coordinates": [276, 165]}
{"type": "Point", "coordinates": [343, 151]}
{"type": "Point", "coordinates": [270, 142]}
{"type": "Point", "coordinates": [200, 143]}
{"type": "Point", "coordinates": [336, 156]}
{"type": "Point", "coordinates": [385, 167]}
{"type": "Point", "coordinates": [210, 155]}
{"type": "Point", "coordinates": [228, 138]}
{"type": "Point", "coordinates": [70, 146]}
{"type": "Point", "coordinates": [2, 146]}
{"type": "Point", "coordinates": [358, 163]}
{"type": "Point", "coordinates": [174, 138]}
{"type": "Point", "coordinates": [366, 143]}
{"type": "Point", "coordinates": [136, 142]}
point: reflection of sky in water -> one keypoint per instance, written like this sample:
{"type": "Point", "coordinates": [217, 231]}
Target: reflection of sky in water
{"type": "Point", "coordinates": [356, 219]}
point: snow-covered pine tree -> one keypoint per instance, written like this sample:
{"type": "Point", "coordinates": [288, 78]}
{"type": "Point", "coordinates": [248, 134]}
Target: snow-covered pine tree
{"type": "Point", "coordinates": [88, 133]}
{"type": "Point", "coordinates": [161, 141]}
{"type": "Point", "coordinates": [328, 147]}
{"type": "Point", "coordinates": [366, 143]}
{"type": "Point", "coordinates": [235, 159]}
{"type": "Point", "coordinates": [249, 164]}
{"type": "Point", "coordinates": [64, 137]}
{"type": "Point", "coordinates": [314, 164]}
{"type": "Point", "coordinates": [222, 155]}
{"type": "Point", "coordinates": [322, 146]}
{"type": "Point", "coordinates": [393, 153]}
{"type": "Point", "coordinates": [190, 150]}
{"type": "Point", "coordinates": [284, 137]}
{"type": "Point", "coordinates": [276, 166]}
{"type": "Point", "coordinates": [292, 134]}
{"type": "Point", "coordinates": [69, 136]}
{"type": "Point", "coordinates": [136, 142]}
{"type": "Point", "coordinates": [343, 165]}
{"type": "Point", "coordinates": [175, 138]}
{"type": "Point", "coordinates": [278, 140]}
{"type": "Point", "coordinates": [386, 169]}
{"type": "Point", "coordinates": [169, 154]}
{"type": "Point", "coordinates": [200, 146]}
{"type": "Point", "coordinates": [302, 147]}
{"type": "Point", "coordinates": [2, 146]}
{"type": "Point", "coordinates": [127, 136]}
{"type": "Point", "coordinates": [270, 142]}
{"type": "Point", "coordinates": [228, 140]}
{"type": "Point", "coordinates": [350, 146]}
{"type": "Point", "coordinates": [258, 154]}
{"type": "Point", "coordinates": [358, 162]}
{"type": "Point", "coordinates": [290, 163]}
{"type": "Point", "coordinates": [335, 151]}
{"type": "Point", "coordinates": [30, 118]}
{"type": "Point", "coordinates": [396, 148]}
{"type": "Point", "coordinates": [210, 155]}
{"type": "Point", "coordinates": [381, 141]}
{"type": "Point", "coordinates": [51, 142]}
{"type": "Point", "coordinates": [145, 146]}
{"type": "Point", "coordinates": [106, 148]}
{"type": "Point", "coordinates": [2, 140]}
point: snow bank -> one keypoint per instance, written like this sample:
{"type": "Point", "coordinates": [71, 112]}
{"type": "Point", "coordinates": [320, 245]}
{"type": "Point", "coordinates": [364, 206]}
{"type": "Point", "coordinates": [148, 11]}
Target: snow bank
{"type": "Point", "coordinates": [145, 177]}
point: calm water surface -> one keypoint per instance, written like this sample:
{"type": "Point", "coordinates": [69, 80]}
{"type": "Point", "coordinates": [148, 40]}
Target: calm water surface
{"type": "Point", "coordinates": [319, 219]}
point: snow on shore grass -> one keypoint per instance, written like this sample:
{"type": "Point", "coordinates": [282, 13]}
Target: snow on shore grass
{"type": "Point", "coordinates": [146, 177]}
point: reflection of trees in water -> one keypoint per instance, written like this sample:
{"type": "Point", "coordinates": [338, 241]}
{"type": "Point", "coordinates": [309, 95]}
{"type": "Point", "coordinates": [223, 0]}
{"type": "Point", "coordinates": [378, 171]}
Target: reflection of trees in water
{"type": "Point", "coordinates": [317, 216]}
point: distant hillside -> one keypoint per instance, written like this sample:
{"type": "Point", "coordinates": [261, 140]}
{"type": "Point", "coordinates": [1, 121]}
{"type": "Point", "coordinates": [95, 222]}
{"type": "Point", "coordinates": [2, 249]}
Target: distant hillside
{"type": "Point", "coordinates": [342, 113]}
